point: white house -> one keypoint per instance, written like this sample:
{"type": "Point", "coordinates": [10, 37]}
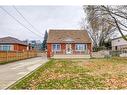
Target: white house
{"type": "Point", "coordinates": [119, 44]}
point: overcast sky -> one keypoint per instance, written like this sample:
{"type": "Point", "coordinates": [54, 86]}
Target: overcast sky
{"type": "Point", "coordinates": [41, 17]}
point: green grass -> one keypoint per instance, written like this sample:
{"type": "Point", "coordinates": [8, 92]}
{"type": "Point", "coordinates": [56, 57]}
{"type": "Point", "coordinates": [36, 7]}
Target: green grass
{"type": "Point", "coordinates": [77, 74]}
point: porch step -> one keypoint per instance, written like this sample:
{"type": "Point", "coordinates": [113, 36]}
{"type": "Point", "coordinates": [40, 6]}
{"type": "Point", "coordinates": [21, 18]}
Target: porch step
{"type": "Point", "coordinates": [70, 56]}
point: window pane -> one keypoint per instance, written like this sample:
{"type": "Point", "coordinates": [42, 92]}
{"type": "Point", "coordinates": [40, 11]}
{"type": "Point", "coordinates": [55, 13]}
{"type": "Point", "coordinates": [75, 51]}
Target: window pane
{"type": "Point", "coordinates": [6, 47]}
{"type": "Point", "coordinates": [84, 46]}
{"type": "Point", "coordinates": [80, 47]}
{"type": "Point", "coordinates": [56, 47]}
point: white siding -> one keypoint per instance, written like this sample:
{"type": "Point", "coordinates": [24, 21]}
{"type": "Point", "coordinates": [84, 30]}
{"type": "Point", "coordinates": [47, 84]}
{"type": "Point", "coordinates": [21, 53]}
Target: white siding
{"type": "Point", "coordinates": [119, 42]}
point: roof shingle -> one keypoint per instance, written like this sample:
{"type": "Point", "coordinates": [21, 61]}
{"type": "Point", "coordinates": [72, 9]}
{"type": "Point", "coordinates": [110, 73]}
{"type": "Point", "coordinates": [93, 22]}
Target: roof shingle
{"type": "Point", "coordinates": [11, 40]}
{"type": "Point", "coordinates": [65, 36]}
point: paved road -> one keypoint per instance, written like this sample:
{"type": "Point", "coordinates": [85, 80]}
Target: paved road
{"type": "Point", "coordinates": [10, 73]}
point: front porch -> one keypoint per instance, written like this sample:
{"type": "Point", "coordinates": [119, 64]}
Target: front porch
{"type": "Point", "coordinates": [73, 54]}
{"type": "Point", "coordinates": [69, 50]}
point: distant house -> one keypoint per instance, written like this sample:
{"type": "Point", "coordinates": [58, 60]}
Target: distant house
{"type": "Point", "coordinates": [12, 44]}
{"type": "Point", "coordinates": [119, 44]}
{"type": "Point", "coordinates": [68, 42]}
{"type": "Point", "coordinates": [34, 44]}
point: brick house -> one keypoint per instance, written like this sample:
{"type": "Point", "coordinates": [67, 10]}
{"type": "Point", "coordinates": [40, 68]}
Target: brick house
{"type": "Point", "coordinates": [68, 42]}
{"type": "Point", "coordinates": [12, 44]}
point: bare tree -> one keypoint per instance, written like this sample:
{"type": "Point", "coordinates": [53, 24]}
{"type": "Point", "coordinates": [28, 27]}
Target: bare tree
{"type": "Point", "coordinates": [116, 16]}
{"type": "Point", "coordinates": [96, 25]}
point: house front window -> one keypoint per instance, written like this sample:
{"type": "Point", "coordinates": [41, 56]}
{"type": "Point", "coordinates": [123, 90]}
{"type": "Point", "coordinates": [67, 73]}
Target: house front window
{"type": "Point", "coordinates": [81, 47]}
{"type": "Point", "coordinates": [6, 47]}
{"type": "Point", "coordinates": [56, 47]}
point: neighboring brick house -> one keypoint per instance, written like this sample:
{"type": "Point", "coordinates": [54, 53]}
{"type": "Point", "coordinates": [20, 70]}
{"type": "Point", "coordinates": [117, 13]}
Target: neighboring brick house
{"type": "Point", "coordinates": [119, 44]}
{"type": "Point", "coordinates": [68, 42]}
{"type": "Point", "coordinates": [12, 44]}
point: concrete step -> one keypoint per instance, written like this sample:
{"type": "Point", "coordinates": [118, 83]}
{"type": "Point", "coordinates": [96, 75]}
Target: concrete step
{"type": "Point", "coordinates": [70, 56]}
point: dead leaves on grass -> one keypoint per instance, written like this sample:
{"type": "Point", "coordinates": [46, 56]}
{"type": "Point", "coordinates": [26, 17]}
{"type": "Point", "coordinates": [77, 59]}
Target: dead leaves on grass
{"type": "Point", "coordinates": [116, 83]}
{"type": "Point", "coordinates": [81, 74]}
{"type": "Point", "coordinates": [107, 69]}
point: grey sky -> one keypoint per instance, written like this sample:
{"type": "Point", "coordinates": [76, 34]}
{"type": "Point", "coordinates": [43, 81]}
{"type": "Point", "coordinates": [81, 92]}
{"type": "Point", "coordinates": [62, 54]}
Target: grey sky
{"type": "Point", "coordinates": [41, 17]}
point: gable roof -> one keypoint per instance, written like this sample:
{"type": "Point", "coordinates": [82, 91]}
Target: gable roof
{"type": "Point", "coordinates": [11, 40]}
{"type": "Point", "coordinates": [65, 36]}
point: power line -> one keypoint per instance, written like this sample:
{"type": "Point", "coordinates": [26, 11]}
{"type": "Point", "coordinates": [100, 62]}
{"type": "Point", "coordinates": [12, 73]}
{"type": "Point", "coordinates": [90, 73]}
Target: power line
{"type": "Point", "coordinates": [25, 18]}
{"type": "Point", "coordinates": [19, 22]}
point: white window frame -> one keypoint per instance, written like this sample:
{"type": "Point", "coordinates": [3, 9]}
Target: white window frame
{"type": "Point", "coordinates": [2, 47]}
{"type": "Point", "coordinates": [84, 47]}
{"type": "Point", "coordinates": [56, 49]}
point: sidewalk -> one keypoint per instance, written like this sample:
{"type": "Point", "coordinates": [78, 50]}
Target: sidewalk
{"type": "Point", "coordinates": [11, 72]}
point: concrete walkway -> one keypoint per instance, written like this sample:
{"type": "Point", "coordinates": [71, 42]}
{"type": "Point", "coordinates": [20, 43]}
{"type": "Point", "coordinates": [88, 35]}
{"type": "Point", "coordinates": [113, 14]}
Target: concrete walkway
{"type": "Point", "coordinates": [11, 72]}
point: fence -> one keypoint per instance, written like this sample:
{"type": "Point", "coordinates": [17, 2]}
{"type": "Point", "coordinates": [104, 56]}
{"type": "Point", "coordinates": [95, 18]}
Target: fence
{"type": "Point", "coordinates": [7, 56]}
{"type": "Point", "coordinates": [118, 52]}
{"type": "Point", "coordinates": [109, 53]}
{"type": "Point", "coordinates": [101, 48]}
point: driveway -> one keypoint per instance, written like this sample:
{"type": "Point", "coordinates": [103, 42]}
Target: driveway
{"type": "Point", "coordinates": [11, 72]}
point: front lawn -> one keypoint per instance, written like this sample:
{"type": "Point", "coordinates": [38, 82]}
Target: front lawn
{"type": "Point", "coordinates": [78, 74]}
